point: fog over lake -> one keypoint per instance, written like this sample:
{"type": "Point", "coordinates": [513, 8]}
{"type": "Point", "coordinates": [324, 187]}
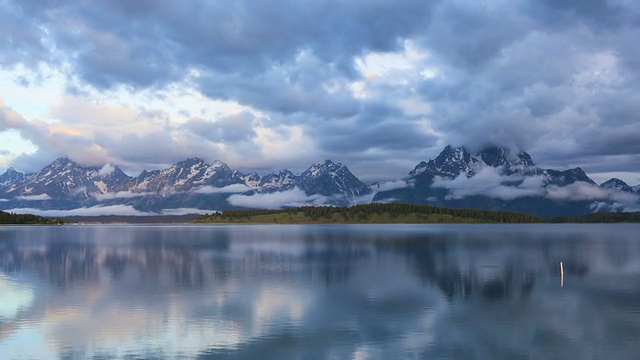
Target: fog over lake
{"type": "Point", "coordinates": [320, 292]}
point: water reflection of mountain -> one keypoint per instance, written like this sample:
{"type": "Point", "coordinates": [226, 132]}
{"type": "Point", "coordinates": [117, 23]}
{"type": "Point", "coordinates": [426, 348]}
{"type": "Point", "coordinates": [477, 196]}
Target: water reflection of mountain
{"type": "Point", "coordinates": [507, 265]}
{"type": "Point", "coordinates": [182, 259]}
{"type": "Point", "coordinates": [333, 292]}
{"type": "Point", "coordinates": [503, 265]}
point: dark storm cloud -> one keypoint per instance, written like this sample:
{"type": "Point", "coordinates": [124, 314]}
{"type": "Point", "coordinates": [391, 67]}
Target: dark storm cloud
{"type": "Point", "coordinates": [299, 87]}
{"type": "Point", "coordinates": [604, 13]}
{"type": "Point", "coordinates": [560, 79]}
{"type": "Point", "coordinates": [152, 42]}
{"type": "Point", "coordinates": [232, 128]}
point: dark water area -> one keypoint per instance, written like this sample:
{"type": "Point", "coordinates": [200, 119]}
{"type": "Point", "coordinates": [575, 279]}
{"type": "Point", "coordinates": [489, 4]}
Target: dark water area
{"type": "Point", "coordinates": [320, 292]}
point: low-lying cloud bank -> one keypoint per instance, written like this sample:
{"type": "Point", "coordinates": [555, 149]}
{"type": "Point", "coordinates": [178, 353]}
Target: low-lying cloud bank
{"type": "Point", "coordinates": [488, 182]}
{"type": "Point", "coordinates": [229, 189]}
{"type": "Point", "coordinates": [41, 197]}
{"type": "Point", "coordinates": [121, 210]}
{"type": "Point", "coordinates": [126, 210]}
{"type": "Point", "coordinates": [290, 198]}
{"type": "Point", "coordinates": [120, 195]}
{"type": "Point", "coordinates": [185, 211]}
{"type": "Point", "coordinates": [391, 185]}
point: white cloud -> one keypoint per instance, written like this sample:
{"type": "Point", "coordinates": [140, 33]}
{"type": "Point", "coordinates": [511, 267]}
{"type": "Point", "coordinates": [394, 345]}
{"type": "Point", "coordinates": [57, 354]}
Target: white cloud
{"type": "Point", "coordinates": [584, 191]}
{"type": "Point", "coordinates": [392, 185]}
{"type": "Point", "coordinates": [234, 188]}
{"type": "Point", "coordinates": [489, 182]}
{"type": "Point", "coordinates": [106, 170]}
{"type": "Point", "coordinates": [13, 298]}
{"type": "Point", "coordinates": [40, 197]}
{"type": "Point", "coordinates": [184, 211]}
{"type": "Point", "coordinates": [293, 197]}
{"type": "Point", "coordinates": [120, 195]}
{"type": "Point", "coordinates": [126, 210]}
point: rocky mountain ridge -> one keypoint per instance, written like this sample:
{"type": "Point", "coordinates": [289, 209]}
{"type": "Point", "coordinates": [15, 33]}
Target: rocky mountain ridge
{"type": "Point", "coordinates": [64, 180]}
{"type": "Point", "coordinates": [493, 178]}
{"type": "Point", "coordinates": [497, 179]}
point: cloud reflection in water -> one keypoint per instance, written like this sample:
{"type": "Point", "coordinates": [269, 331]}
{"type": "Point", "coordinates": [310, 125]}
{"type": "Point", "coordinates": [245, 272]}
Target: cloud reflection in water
{"type": "Point", "coordinates": [321, 291]}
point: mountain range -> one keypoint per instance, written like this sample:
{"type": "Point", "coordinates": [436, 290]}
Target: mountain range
{"type": "Point", "coordinates": [493, 178]}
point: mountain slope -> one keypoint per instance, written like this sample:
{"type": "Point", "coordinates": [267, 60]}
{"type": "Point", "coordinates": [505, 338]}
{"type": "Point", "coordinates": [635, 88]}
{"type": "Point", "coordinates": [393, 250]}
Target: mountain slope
{"type": "Point", "coordinates": [493, 178]}
{"type": "Point", "coordinates": [328, 178]}
{"type": "Point", "coordinates": [64, 184]}
{"type": "Point", "coordinates": [617, 184]}
{"type": "Point", "coordinates": [496, 179]}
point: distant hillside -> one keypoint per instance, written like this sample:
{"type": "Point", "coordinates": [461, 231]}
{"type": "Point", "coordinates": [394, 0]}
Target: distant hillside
{"type": "Point", "coordinates": [125, 219]}
{"type": "Point", "coordinates": [26, 219]}
{"type": "Point", "coordinates": [605, 217]}
{"type": "Point", "coordinates": [368, 214]}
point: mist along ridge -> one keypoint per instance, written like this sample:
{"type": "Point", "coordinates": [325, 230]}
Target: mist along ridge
{"type": "Point", "coordinates": [26, 219]}
{"type": "Point", "coordinates": [492, 179]}
{"type": "Point", "coordinates": [367, 214]}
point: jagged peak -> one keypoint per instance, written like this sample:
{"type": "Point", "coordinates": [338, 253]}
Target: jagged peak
{"type": "Point", "coordinates": [614, 181]}
{"type": "Point", "coordinates": [321, 166]}
{"type": "Point", "coordinates": [576, 170]}
{"type": "Point", "coordinates": [190, 161]}
{"type": "Point", "coordinates": [218, 163]}
{"type": "Point", "coordinates": [419, 169]}
{"type": "Point", "coordinates": [616, 184]}
{"type": "Point", "coordinates": [281, 173]}
{"type": "Point", "coordinates": [499, 155]}
{"type": "Point", "coordinates": [324, 163]}
{"type": "Point", "coordinates": [12, 170]}
{"type": "Point", "coordinates": [64, 160]}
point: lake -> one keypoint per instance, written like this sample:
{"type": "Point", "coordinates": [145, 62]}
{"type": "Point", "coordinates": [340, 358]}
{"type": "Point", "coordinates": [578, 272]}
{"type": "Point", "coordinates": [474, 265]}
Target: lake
{"type": "Point", "coordinates": [320, 292]}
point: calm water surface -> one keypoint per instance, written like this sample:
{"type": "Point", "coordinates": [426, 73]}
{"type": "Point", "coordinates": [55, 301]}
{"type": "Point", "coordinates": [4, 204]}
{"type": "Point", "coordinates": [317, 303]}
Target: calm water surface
{"type": "Point", "coordinates": [320, 292]}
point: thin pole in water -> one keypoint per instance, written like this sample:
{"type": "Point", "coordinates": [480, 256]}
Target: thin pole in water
{"type": "Point", "coordinates": [561, 274]}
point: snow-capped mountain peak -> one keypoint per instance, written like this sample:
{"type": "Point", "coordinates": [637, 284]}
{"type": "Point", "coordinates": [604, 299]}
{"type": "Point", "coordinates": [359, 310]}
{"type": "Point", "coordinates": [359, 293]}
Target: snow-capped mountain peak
{"type": "Point", "coordinates": [328, 178]}
{"type": "Point", "coordinates": [566, 177]}
{"type": "Point", "coordinates": [11, 176]}
{"type": "Point", "coordinates": [617, 184]}
{"type": "Point", "coordinates": [282, 180]}
{"type": "Point", "coordinates": [452, 162]}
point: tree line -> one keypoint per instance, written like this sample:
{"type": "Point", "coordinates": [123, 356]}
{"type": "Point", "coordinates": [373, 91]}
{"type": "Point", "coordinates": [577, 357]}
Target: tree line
{"type": "Point", "coordinates": [604, 217]}
{"type": "Point", "coordinates": [26, 219]}
{"type": "Point", "coordinates": [372, 211]}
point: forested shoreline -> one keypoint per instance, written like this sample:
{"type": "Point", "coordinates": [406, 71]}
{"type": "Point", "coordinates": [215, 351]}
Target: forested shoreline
{"type": "Point", "coordinates": [599, 218]}
{"type": "Point", "coordinates": [374, 213]}
{"type": "Point", "coordinates": [7, 218]}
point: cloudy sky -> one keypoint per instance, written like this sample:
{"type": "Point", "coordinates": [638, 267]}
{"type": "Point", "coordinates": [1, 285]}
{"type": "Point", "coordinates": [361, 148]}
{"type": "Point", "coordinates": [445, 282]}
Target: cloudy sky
{"type": "Point", "coordinates": [264, 85]}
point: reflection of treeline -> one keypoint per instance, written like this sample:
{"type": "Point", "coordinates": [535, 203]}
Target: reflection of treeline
{"type": "Point", "coordinates": [137, 219]}
{"type": "Point", "coordinates": [605, 217]}
{"type": "Point", "coordinates": [26, 219]}
{"type": "Point", "coordinates": [369, 213]}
